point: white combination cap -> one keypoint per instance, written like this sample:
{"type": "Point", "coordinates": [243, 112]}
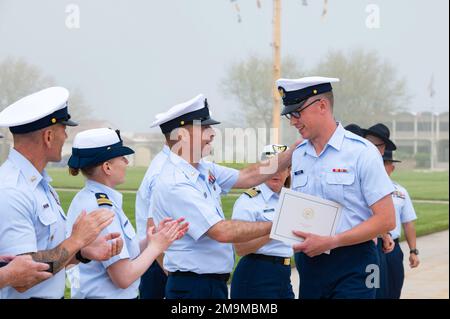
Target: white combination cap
{"type": "Point", "coordinates": [196, 109]}
{"type": "Point", "coordinates": [37, 111]}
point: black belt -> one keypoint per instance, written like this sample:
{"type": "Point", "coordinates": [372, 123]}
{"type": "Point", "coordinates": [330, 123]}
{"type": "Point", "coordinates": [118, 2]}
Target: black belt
{"type": "Point", "coordinates": [285, 261]}
{"type": "Point", "coordinates": [221, 277]}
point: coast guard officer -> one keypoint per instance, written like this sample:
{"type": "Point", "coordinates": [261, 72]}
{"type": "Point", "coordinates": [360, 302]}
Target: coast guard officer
{"type": "Point", "coordinates": [31, 219]}
{"type": "Point", "coordinates": [405, 216]}
{"type": "Point", "coordinates": [99, 154]}
{"type": "Point", "coordinates": [264, 271]}
{"type": "Point", "coordinates": [336, 165]}
{"type": "Point", "coordinates": [199, 264]}
{"type": "Point", "coordinates": [153, 282]}
{"type": "Point", "coordinates": [379, 135]}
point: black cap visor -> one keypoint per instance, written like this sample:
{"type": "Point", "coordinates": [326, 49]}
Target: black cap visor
{"type": "Point", "coordinates": [294, 107]}
{"type": "Point", "coordinates": [209, 121]}
{"type": "Point", "coordinates": [68, 122]}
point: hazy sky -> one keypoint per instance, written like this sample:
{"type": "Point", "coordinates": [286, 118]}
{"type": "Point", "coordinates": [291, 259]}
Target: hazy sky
{"type": "Point", "coordinates": [133, 59]}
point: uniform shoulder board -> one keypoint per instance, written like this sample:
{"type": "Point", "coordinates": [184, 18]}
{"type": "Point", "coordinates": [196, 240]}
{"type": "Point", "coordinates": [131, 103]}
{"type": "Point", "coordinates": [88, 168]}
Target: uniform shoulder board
{"type": "Point", "coordinates": [252, 192]}
{"type": "Point", "coordinates": [102, 199]}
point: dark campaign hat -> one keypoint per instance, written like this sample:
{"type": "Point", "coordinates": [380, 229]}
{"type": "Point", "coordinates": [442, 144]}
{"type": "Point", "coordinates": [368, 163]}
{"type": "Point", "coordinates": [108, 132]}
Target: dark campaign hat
{"type": "Point", "coordinates": [93, 147]}
{"type": "Point", "coordinates": [295, 92]}
{"type": "Point", "coordinates": [355, 129]}
{"type": "Point", "coordinates": [381, 131]}
{"type": "Point", "coordinates": [196, 109]}
{"type": "Point", "coordinates": [37, 111]}
{"type": "Point", "coordinates": [388, 157]}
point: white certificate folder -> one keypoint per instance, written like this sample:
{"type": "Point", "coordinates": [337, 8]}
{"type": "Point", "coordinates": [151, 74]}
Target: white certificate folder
{"type": "Point", "coordinates": [307, 213]}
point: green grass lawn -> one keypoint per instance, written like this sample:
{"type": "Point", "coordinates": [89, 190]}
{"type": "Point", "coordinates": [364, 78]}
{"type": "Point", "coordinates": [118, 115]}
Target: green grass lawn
{"type": "Point", "coordinates": [62, 179]}
{"type": "Point", "coordinates": [420, 185]}
{"type": "Point", "coordinates": [423, 185]}
{"type": "Point", "coordinates": [431, 218]}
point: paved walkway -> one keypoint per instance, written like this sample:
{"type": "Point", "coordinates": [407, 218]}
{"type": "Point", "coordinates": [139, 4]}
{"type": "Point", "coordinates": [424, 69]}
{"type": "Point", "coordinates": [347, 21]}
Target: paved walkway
{"type": "Point", "coordinates": [428, 281]}
{"type": "Point", "coordinates": [431, 279]}
{"type": "Point", "coordinates": [430, 201]}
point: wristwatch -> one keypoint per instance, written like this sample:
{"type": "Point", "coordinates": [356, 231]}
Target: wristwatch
{"type": "Point", "coordinates": [414, 251]}
{"type": "Point", "coordinates": [81, 259]}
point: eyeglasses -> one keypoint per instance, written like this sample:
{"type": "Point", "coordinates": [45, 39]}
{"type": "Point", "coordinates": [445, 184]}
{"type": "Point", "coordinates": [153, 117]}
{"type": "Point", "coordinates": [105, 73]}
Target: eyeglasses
{"type": "Point", "coordinates": [296, 114]}
{"type": "Point", "coordinates": [276, 150]}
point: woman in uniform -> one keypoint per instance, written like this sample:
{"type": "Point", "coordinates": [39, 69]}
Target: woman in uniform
{"type": "Point", "coordinates": [264, 271]}
{"type": "Point", "coordinates": [100, 156]}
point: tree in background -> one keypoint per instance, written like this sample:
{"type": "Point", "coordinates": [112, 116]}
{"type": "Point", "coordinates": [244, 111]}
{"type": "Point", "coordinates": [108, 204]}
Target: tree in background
{"type": "Point", "coordinates": [249, 83]}
{"type": "Point", "coordinates": [369, 91]}
{"type": "Point", "coordinates": [18, 79]}
{"type": "Point", "coordinates": [370, 88]}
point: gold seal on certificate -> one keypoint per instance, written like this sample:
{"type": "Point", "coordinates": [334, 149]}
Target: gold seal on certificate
{"type": "Point", "coordinates": [307, 213]}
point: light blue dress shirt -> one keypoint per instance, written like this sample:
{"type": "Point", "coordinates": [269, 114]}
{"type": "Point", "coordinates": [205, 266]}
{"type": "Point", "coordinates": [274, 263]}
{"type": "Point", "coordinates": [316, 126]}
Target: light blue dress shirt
{"type": "Point", "coordinates": [261, 208]}
{"type": "Point", "coordinates": [144, 193]}
{"type": "Point", "coordinates": [404, 209]}
{"type": "Point", "coordinates": [94, 281]}
{"type": "Point", "coordinates": [31, 220]}
{"type": "Point", "coordinates": [349, 171]}
{"type": "Point", "coordinates": [184, 191]}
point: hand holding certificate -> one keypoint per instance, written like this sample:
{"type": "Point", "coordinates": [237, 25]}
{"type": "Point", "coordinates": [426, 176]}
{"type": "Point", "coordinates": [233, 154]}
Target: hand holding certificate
{"type": "Point", "coordinates": [309, 215]}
